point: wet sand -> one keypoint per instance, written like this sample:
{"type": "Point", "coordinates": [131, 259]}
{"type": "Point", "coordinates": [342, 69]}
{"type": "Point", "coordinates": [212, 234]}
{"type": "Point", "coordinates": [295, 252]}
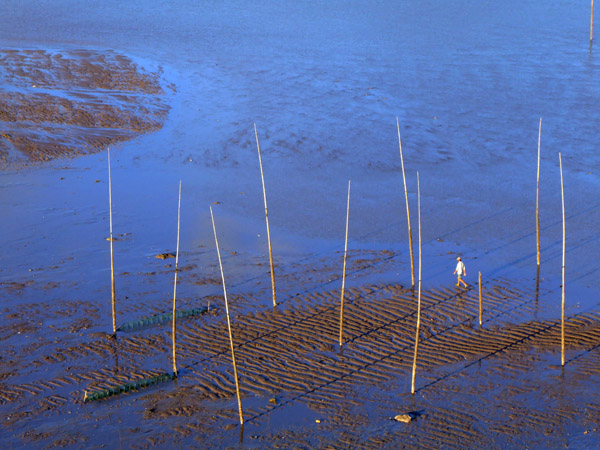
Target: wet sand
{"type": "Point", "coordinates": [57, 105]}
{"type": "Point", "coordinates": [495, 386]}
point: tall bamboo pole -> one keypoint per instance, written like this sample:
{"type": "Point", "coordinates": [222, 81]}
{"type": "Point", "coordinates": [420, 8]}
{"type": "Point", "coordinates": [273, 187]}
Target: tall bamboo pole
{"type": "Point", "coordinates": [235, 375]}
{"type": "Point", "coordinates": [266, 218]}
{"type": "Point", "coordinates": [480, 301]}
{"type": "Point", "coordinates": [344, 270]}
{"type": "Point", "coordinates": [410, 242]}
{"type": "Point", "coordinates": [175, 283]}
{"type": "Point", "coordinates": [562, 319]}
{"type": "Point", "coordinates": [537, 197]}
{"type": "Point", "coordinates": [414, 368]}
{"type": "Point", "coordinates": [112, 260]}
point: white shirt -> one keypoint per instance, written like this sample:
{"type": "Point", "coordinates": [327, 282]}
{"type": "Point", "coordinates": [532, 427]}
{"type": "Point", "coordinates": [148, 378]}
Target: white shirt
{"type": "Point", "coordinates": [460, 268]}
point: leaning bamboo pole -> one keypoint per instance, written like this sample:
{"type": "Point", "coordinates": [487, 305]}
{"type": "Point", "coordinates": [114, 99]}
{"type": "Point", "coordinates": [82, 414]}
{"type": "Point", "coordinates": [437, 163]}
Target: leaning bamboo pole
{"type": "Point", "coordinates": [112, 260]}
{"type": "Point", "coordinates": [344, 270]}
{"type": "Point", "coordinates": [562, 318]}
{"type": "Point", "coordinates": [266, 218]}
{"type": "Point", "coordinates": [537, 197]}
{"type": "Point", "coordinates": [235, 375]}
{"type": "Point", "coordinates": [480, 301]}
{"type": "Point", "coordinates": [414, 368]}
{"type": "Point", "coordinates": [175, 283]}
{"type": "Point", "coordinates": [410, 242]}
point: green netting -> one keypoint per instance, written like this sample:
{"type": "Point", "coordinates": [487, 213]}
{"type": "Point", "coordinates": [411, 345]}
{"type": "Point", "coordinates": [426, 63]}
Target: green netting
{"type": "Point", "coordinates": [159, 319]}
{"type": "Point", "coordinates": [132, 386]}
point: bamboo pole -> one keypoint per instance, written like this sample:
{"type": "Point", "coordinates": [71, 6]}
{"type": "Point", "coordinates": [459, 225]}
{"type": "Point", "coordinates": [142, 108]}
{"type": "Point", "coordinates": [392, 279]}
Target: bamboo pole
{"type": "Point", "coordinates": [537, 197]}
{"type": "Point", "coordinates": [344, 270]}
{"type": "Point", "coordinates": [112, 259]}
{"type": "Point", "coordinates": [235, 375]}
{"type": "Point", "coordinates": [562, 319]}
{"type": "Point", "coordinates": [480, 301]}
{"type": "Point", "coordinates": [414, 368]}
{"type": "Point", "coordinates": [175, 283]}
{"type": "Point", "coordinates": [410, 242]}
{"type": "Point", "coordinates": [266, 219]}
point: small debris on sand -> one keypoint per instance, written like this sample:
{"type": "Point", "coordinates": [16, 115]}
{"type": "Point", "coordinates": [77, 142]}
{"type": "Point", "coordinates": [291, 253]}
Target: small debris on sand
{"type": "Point", "coordinates": [165, 255]}
{"type": "Point", "coordinates": [404, 418]}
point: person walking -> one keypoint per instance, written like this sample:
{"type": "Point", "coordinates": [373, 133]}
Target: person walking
{"type": "Point", "coordinates": [460, 271]}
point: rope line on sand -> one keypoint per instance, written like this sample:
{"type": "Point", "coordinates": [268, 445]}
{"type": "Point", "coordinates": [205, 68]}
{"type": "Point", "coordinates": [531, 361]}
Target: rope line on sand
{"type": "Point", "coordinates": [392, 353]}
{"type": "Point", "coordinates": [507, 346]}
{"type": "Point", "coordinates": [383, 326]}
{"type": "Point", "coordinates": [441, 333]}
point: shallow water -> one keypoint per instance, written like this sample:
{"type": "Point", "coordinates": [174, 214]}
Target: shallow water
{"type": "Point", "coordinates": [324, 82]}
